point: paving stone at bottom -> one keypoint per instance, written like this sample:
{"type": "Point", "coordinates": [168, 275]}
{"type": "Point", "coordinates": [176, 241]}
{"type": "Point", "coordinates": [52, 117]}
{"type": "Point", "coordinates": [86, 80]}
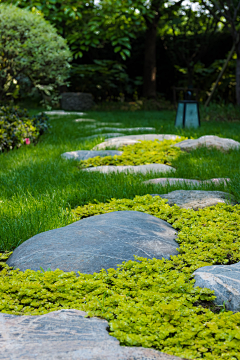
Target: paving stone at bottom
{"type": "Point", "coordinates": [88, 154]}
{"type": "Point", "coordinates": [133, 169]}
{"type": "Point", "coordinates": [197, 199]}
{"type": "Point", "coordinates": [65, 335]}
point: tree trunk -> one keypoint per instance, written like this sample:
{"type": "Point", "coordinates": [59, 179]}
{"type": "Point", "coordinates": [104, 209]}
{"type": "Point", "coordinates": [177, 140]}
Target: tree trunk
{"type": "Point", "coordinates": [150, 68]}
{"type": "Point", "coordinates": [238, 74]}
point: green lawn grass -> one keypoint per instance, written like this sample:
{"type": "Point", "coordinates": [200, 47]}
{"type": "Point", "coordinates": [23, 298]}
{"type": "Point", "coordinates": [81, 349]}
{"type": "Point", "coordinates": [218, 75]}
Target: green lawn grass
{"type": "Point", "coordinates": [38, 187]}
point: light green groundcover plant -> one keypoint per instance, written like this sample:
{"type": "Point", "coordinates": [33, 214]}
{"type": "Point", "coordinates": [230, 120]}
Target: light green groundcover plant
{"type": "Point", "coordinates": [149, 303]}
{"type": "Point", "coordinates": [142, 153]}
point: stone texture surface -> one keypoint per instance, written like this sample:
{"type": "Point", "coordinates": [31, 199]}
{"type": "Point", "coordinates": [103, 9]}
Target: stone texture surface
{"type": "Point", "coordinates": [125, 129]}
{"type": "Point", "coordinates": [76, 101]}
{"type": "Point", "coordinates": [98, 242]}
{"type": "Point", "coordinates": [85, 154]}
{"type": "Point", "coordinates": [143, 169]}
{"type": "Point", "coordinates": [196, 199]}
{"type": "Point", "coordinates": [107, 135]}
{"type": "Point", "coordinates": [85, 120]}
{"type": "Point", "coordinates": [65, 335]}
{"type": "Point", "coordinates": [209, 141]}
{"type": "Point", "coordinates": [133, 139]}
{"type": "Point", "coordinates": [179, 181]}
{"type": "Point", "coordinates": [224, 280]}
{"type": "Point", "coordinates": [62, 112]}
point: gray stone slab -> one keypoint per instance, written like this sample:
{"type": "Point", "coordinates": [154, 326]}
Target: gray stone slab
{"type": "Point", "coordinates": [85, 120]}
{"type": "Point", "coordinates": [143, 169]}
{"type": "Point", "coordinates": [224, 280]}
{"type": "Point", "coordinates": [180, 181]}
{"type": "Point", "coordinates": [197, 199]}
{"type": "Point", "coordinates": [98, 242]}
{"type": "Point", "coordinates": [208, 141]}
{"type": "Point", "coordinates": [65, 335]}
{"type": "Point", "coordinates": [101, 136]}
{"type": "Point", "coordinates": [62, 112]}
{"type": "Point", "coordinates": [86, 154]}
{"type": "Point", "coordinates": [125, 129]}
{"type": "Point", "coordinates": [133, 139]}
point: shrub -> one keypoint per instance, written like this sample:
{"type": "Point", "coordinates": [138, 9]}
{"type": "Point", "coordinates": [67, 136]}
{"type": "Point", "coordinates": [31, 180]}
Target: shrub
{"type": "Point", "coordinates": [30, 47]}
{"type": "Point", "coordinates": [16, 126]}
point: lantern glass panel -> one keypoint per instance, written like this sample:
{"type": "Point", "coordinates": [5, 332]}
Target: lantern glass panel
{"type": "Point", "coordinates": [179, 117]}
{"type": "Point", "coordinates": [191, 115]}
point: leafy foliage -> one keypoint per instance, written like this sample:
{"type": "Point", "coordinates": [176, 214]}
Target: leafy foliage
{"type": "Point", "coordinates": [150, 303]}
{"type": "Point", "coordinates": [30, 46]}
{"type": "Point", "coordinates": [142, 153]}
{"type": "Point", "coordinates": [16, 126]}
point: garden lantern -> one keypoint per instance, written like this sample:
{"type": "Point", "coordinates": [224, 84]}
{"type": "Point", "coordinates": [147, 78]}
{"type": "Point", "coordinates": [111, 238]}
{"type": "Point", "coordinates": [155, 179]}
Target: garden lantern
{"type": "Point", "coordinates": [187, 112]}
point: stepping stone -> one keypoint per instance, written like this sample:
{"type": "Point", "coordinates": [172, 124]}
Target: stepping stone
{"type": "Point", "coordinates": [62, 112]}
{"type": "Point", "coordinates": [125, 129]}
{"type": "Point", "coordinates": [85, 120]}
{"type": "Point", "coordinates": [85, 154]}
{"type": "Point", "coordinates": [133, 139]}
{"type": "Point", "coordinates": [197, 199]}
{"type": "Point", "coordinates": [109, 123]}
{"type": "Point", "coordinates": [66, 335]}
{"type": "Point", "coordinates": [224, 280]}
{"type": "Point", "coordinates": [97, 242]}
{"type": "Point", "coordinates": [143, 169]}
{"type": "Point", "coordinates": [208, 141]}
{"type": "Point", "coordinates": [101, 136]}
{"type": "Point", "coordinates": [178, 181]}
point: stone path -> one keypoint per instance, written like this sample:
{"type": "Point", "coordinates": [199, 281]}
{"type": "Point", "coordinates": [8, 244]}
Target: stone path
{"type": "Point", "coordinates": [65, 335]}
{"type": "Point", "coordinates": [86, 154]}
{"type": "Point", "coordinates": [209, 141]}
{"type": "Point", "coordinates": [197, 199]}
{"type": "Point", "coordinates": [98, 242]}
{"type": "Point", "coordinates": [143, 169]}
{"type": "Point", "coordinates": [224, 280]}
{"type": "Point", "coordinates": [180, 181]}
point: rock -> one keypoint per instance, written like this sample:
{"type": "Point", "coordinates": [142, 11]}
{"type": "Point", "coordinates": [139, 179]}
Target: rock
{"type": "Point", "coordinates": [131, 168]}
{"type": "Point", "coordinates": [196, 199]}
{"type": "Point", "coordinates": [76, 101]}
{"type": "Point", "coordinates": [224, 280]}
{"type": "Point", "coordinates": [85, 120]}
{"type": "Point", "coordinates": [101, 136]}
{"type": "Point", "coordinates": [133, 139]}
{"type": "Point", "coordinates": [109, 123]}
{"type": "Point", "coordinates": [98, 242]}
{"type": "Point", "coordinates": [178, 181]}
{"type": "Point", "coordinates": [125, 129]}
{"type": "Point", "coordinates": [61, 112]}
{"type": "Point", "coordinates": [208, 141]}
{"type": "Point", "coordinates": [85, 154]}
{"type": "Point", "coordinates": [65, 335]}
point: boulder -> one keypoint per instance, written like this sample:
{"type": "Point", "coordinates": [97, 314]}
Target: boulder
{"type": "Point", "coordinates": [143, 169]}
{"type": "Point", "coordinates": [98, 242]}
{"type": "Point", "coordinates": [133, 139]}
{"type": "Point", "coordinates": [86, 154]}
{"type": "Point", "coordinates": [197, 199]}
{"type": "Point", "coordinates": [178, 181]}
{"type": "Point", "coordinates": [62, 112]}
{"type": "Point", "coordinates": [125, 129]}
{"type": "Point", "coordinates": [208, 141]}
{"type": "Point", "coordinates": [65, 335]}
{"type": "Point", "coordinates": [76, 101]}
{"type": "Point", "coordinates": [224, 280]}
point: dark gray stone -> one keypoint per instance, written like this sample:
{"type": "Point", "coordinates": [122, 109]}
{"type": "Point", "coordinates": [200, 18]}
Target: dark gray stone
{"type": "Point", "coordinates": [65, 335]}
{"type": "Point", "coordinates": [224, 280]}
{"type": "Point", "coordinates": [85, 154]}
{"type": "Point", "coordinates": [76, 101]}
{"type": "Point", "coordinates": [98, 242]}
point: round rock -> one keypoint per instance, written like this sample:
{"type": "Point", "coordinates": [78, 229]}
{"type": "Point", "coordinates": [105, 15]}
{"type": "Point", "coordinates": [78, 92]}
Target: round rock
{"type": "Point", "coordinates": [208, 141]}
{"type": "Point", "coordinates": [85, 154]}
{"type": "Point", "coordinates": [98, 242]}
{"type": "Point", "coordinates": [143, 169]}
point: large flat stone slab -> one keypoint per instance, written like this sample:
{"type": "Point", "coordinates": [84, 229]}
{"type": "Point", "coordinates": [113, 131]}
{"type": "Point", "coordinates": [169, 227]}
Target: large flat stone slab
{"type": "Point", "coordinates": [180, 181]}
{"type": "Point", "coordinates": [143, 169]}
{"type": "Point", "coordinates": [197, 199]}
{"type": "Point", "coordinates": [125, 129]}
{"type": "Point", "coordinates": [98, 242]}
{"type": "Point", "coordinates": [65, 335]}
{"type": "Point", "coordinates": [209, 141]}
{"type": "Point", "coordinates": [224, 280]}
{"type": "Point", "coordinates": [86, 154]}
{"type": "Point", "coordinates": [133, 139]}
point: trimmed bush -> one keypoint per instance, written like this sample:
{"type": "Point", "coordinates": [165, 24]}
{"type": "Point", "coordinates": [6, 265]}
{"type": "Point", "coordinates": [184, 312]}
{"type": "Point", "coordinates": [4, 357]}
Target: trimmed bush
{"type": "Point", "coordinates": [30, 47]}
{"type": "Point", "coordinates": [18, 128]}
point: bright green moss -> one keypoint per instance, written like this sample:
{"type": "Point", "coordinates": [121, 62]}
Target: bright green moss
{"type": "Point", "coordinates": [142, 153]}
{"type": "Point", "coordinates": [150, 303]}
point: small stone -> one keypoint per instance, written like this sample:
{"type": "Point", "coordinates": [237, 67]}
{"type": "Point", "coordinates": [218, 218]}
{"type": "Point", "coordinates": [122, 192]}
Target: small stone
{"type": "Point", "coordinates": [180, 181]}
{"type": "Point", "coordinates": [133, 139]}
{"type": "Point", "coordinates": [224, 280]}
{"type": "Point", "coordinates": [62, 112]}
{"type": "Point", "coordinates": [85, 154]}
{"type": "Point", "coordinates": [143, 169]}
{"type": "Point", "coordinates": [65, 335]}
{"type": "Point", "coordinates": [197, 199]}
{"type": "Point", "coordinates": [208, 141]}
{"type": "Point", "coordinates": [97, 242]}
{"type": "Point", "coordinates": [76, 101]}
{"type": "Point", "coordinates": [85, 120]}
